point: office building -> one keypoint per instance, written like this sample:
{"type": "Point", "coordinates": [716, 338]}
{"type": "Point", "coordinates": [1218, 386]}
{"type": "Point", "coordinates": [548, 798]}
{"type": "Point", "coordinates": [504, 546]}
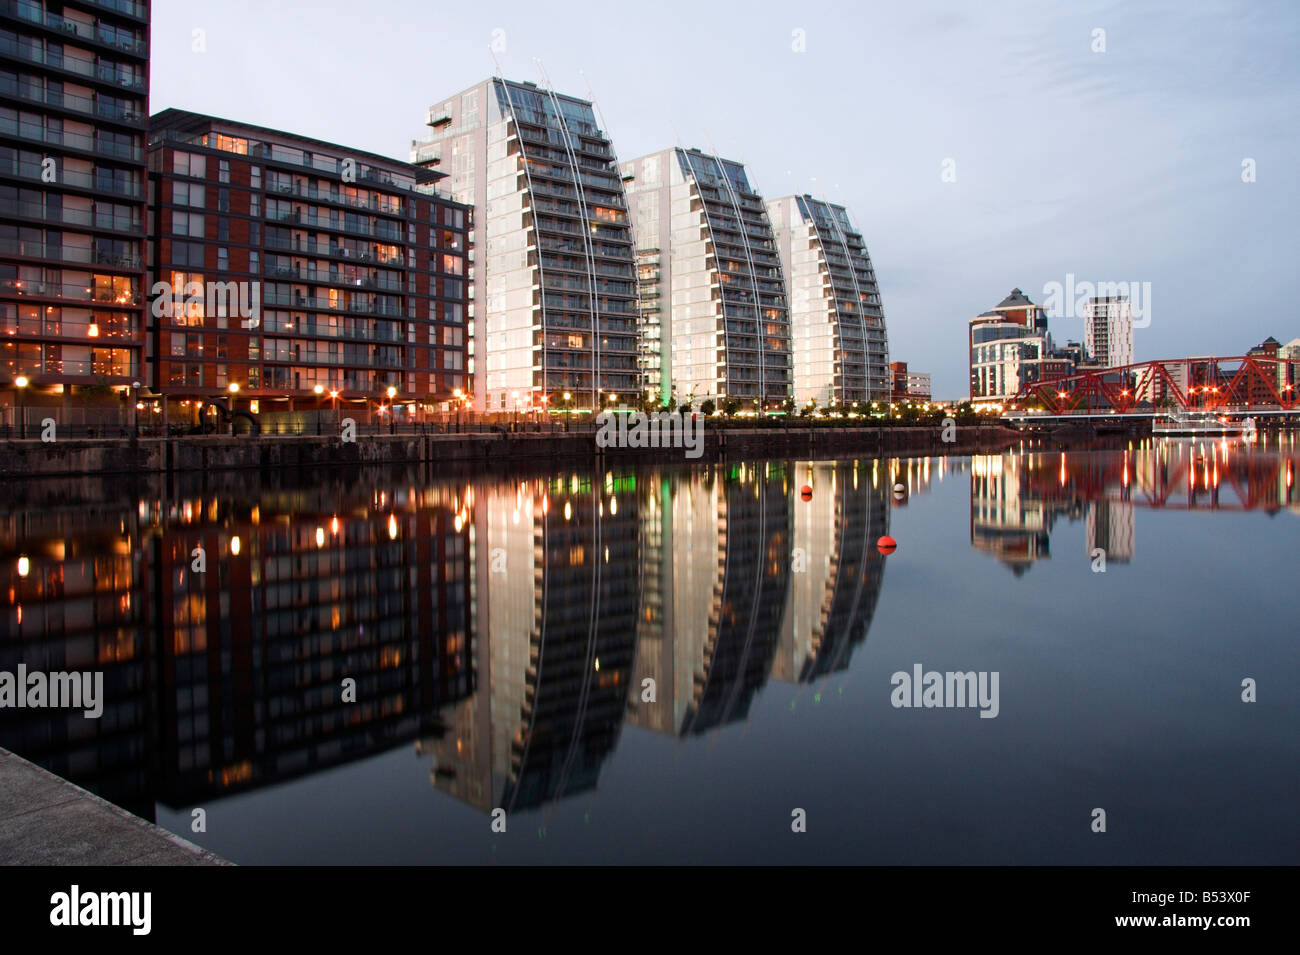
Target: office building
{"type": "Point", "coordinates": [1010, 347]}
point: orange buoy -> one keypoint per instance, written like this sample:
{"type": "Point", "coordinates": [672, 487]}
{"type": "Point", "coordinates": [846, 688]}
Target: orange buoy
{"type": "Point", "coordinates": [886, 545]}
{"type": "Point", "coordinates": [805, 492]}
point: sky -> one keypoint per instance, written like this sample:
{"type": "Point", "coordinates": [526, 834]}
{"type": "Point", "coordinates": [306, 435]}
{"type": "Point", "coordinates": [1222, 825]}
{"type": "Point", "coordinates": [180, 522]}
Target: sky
{"type": "Point", "coordinates": [979, 147]}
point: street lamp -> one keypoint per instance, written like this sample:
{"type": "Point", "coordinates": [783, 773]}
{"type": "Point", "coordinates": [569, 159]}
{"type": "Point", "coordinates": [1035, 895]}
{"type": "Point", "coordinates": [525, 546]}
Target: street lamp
{"type": "Point", "coordinates": [233, 388]}
{"type": "Point", "coordinates": [392, 417]}
{"type": "Point", "coordinates": [319, 390]}
{"type": "Point", "coordinates": [21, 384]}
{"type": "Point", "coordinates": [334, 400]}
{"type": "Point", "coordinates": [567, 396]}
{"type": "Point", "coordinates": [459, 395]}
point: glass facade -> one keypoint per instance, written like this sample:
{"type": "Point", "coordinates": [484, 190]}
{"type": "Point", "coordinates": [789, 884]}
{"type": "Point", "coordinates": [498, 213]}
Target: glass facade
{"type": "Point", "coordinates": [840, 345]}
{"type": "Point", "coordinates": [556, 296]}
{"type": "Point", "coordinates": [714, 317]}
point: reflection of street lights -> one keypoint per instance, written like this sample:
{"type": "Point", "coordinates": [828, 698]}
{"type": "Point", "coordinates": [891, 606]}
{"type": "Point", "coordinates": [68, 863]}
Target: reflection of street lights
{"type": "Point", "coordinates": [319, 390]}
{"type": "Point", "coordinates": [392, 417]}
{"type": "Point", "coordinates": [21, 384]}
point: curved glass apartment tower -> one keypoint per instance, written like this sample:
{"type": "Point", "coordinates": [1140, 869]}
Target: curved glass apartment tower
{"type": "Point", "coordinates": [715, 322]}
{"type": "Point", "coordinates": [841, 350]}
{"type": "Point", "coordinates": [554, 295]}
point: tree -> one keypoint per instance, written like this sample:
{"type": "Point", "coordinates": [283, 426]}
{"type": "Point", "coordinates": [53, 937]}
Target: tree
{"type": "Point", "coordinates": [708, 407]}
{"type": "Point", "coordinates": [730, 406]}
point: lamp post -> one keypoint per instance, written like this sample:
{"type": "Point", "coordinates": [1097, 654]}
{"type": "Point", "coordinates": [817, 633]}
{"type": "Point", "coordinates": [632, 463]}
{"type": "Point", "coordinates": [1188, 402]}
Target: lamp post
{"type": "Point", "coordinates": [319, 390]}
{"type": "Point", "coordinates": [20, 383]}
{"type": "Point", "coordinates": [233, 388]}
{"type": "Point", "coordinates": [392, 417]}
{"type": "Point", "coordinates": [334, 400]}
{"type": "Point", "coordinates": [460, 397]}
{"type": "Point", "coordinates": [567, 413]}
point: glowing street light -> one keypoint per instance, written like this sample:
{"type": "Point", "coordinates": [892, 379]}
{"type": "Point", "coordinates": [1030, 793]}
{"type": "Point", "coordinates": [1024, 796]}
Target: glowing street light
{"type": "Point", "coordinates": [21, 384]}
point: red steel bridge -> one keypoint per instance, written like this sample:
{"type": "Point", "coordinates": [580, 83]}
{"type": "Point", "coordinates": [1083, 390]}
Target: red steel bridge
{"type": "Point", "coordinates": [1243, 385]}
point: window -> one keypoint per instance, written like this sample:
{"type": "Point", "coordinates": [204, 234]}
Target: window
{"type": "Point", "coordinates": [188, 164]}
{"type": "Point", "coordinates": [187, 254]}
{"type": "Point", "coordinates": [223, 260]}
{"type": "Point", "coordinates": [187, 194]}
{"type": "Point", "coordinates": [223, 170]}
{"type": "Point", "coordinates": [223, 229]}
{"type": "Point", "coordinates": [223, 200]}
{"type": "Point", "coordinates": [187, 223]}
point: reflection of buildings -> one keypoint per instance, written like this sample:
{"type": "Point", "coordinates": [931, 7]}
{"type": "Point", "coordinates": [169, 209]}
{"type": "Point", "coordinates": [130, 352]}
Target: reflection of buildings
{"type": "Point", "coordinates": [1111, 526]}
{"type": "Point", "coordinates": [294, 601]}
{"type": "Point", "coordinates": [232, 678]}
{"type": "Point", "coordinates": [836, 582]}
{"type": "Point", "coordinates": [1015, 499]}
{"type": "Point", "coordinates": [76, 600]}
{"type": "Point", "coordinates": [716, 570]}
{"type": "Point", "coordinates": [1005, 520]}
{"type": "Point", "coordinates": [748, 598]}
{"type": "Point", "coordinates": [557, 594]}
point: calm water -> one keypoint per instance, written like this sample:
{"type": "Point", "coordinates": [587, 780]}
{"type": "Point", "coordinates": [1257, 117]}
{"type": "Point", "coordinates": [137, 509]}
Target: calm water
{"type": "Point", "coordinates": [502, 631]}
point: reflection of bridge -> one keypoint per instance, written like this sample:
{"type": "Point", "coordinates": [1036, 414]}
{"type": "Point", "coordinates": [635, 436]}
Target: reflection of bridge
{"type": "Point", "coordinates": [1210, 475]}
{"type": "Point", "coordinates": [1252, 384]}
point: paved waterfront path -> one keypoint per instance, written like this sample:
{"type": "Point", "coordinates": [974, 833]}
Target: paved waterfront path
{"type": "Point", "coordinates": [45, 820]}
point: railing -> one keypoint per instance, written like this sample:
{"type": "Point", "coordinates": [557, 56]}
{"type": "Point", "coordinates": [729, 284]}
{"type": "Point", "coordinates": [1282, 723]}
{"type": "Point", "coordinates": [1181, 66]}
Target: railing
{"type": "Point", "coordinates": [75, 254]}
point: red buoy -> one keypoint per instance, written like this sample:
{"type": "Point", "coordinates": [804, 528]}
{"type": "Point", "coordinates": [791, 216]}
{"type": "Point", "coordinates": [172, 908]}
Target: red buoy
{"type": "Point", "coordinates": [805, 492]}
{"type": "Point", "coordinates": [886, 545]}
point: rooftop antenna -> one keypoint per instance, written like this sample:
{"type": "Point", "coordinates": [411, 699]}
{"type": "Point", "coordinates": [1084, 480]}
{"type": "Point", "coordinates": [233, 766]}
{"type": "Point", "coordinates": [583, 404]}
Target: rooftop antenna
{"type": "Point", "coordinates": [496, 62]}
{"type": "Point", "coordinates": [591, 96]}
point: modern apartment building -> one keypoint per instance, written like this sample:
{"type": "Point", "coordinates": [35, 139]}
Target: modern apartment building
{"type": "Point", "coordinates": [554, 295]}
{"type": "Point", "coordinates": [1010, 347]}
{"type": "Point", "coordinates": [841, 348]}
{"type": "Point", "coordinates": [74, 94]}
{"type": "Point", "coordinates": [292, 274]}
{"type": "Point", "coordinates": [1108, 331]}
{"type": "Point", "coordinates": [715, 319]}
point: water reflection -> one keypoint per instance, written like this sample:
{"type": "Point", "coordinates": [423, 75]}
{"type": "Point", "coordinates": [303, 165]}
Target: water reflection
{"type": "Point", "coordinates": [1017, 498]}
{"type": "Point", "coordinates": [507, 629]}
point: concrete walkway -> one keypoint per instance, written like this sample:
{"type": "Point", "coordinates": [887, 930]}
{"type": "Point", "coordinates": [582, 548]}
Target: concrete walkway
{"type": "Point", "coordinates": [45, 820]}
